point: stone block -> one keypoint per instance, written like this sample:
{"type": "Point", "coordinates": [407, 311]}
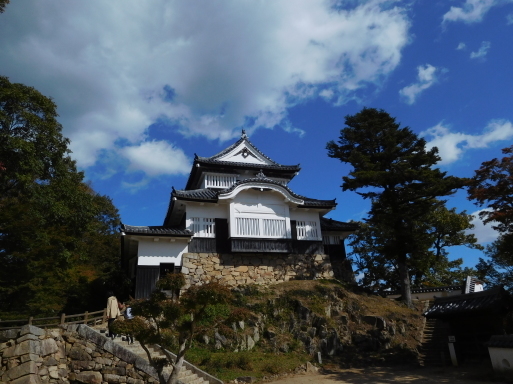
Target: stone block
{"type": "Point", "coordinates": [9, 351]}
{"type": "Point", "coordinates": [89, 377]}
{"type": "Point", "coordinates": [28, 336]}
{"type": "Point", "coordinates": [28, 346]}
{"type": "Point", "coordinates": [50, 361]}
{"type": "Point", "coordinates": [54, 374]}
{"type": "Point", "coordinates": [250, 342]}
{"type": "Point", "coordinates": [31, 357]}
{"type": "Point", "coordinates": [80, 364]}
{"type": "Point", "coordinates": [242, 268]}
{"type": "Point", "coordinates": [109, 378]}
{"type": "Point", "coordinates": [31, 329]}
{"type": "Point", "coordinates": [43, 371]}
{"type": "Point", "coordinates": [29, 379]}
{"type": "Point", "coordinates": [48, 346]}
{"type": "Point", "coordinates": [24, 369]}
{"type": "Point", "coordinates": [9, 334]}
{"type": "Point", "coordinates": [375, 321]}
{"type": "Point", "coordinates": [131, 380]}
{"type": "Point", "coordinates": [77, 353]}
{"type": "Point", "coordinates": [120, 371]}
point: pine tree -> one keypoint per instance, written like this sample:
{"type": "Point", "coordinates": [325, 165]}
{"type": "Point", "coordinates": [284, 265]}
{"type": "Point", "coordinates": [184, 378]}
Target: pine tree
{"type": "Point", "coordinates": [393, 169]}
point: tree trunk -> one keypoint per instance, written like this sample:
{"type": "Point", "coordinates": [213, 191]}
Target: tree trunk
{"type": "Point", "coordinates": [405, 283]}
{"type": "Point", "coordinates": [180, 357]}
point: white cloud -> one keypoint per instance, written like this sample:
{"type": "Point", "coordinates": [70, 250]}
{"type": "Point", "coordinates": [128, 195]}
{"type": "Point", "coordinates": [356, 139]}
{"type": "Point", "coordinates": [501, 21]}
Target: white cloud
{"type": "Point", "coordinates": [156, 158]}
{"type": "Point", "coordinates": [327, 94]}
{"type": "Point", "coordinates": [452, 145]}
{"type": "Point", "coordinates": [226, 64]}
{"type": "Point", "coordinates": [461, 46]}
{"type": "Point", "coordinates": [426, 77]}
{"type": "Point", "coordinates": [483, 232]}
{"type": "Point", "coordinates": [509, 18]}
{"type": "Point", "coordinates": [472, 11]}
{"type": "Point", "coordinates": [482, 51]}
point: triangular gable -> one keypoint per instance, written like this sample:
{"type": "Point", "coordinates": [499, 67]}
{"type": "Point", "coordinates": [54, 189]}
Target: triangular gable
{"type": "Point", "coordinates": [244, 152]}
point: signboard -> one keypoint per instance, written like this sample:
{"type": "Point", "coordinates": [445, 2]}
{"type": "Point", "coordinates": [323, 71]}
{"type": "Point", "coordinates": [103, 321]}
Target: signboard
{"type": "Point", "coordinates": [452, 339]}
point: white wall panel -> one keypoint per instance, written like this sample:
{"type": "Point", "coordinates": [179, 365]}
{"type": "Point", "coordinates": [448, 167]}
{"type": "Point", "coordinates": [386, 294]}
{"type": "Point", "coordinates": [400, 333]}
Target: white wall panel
{"type": "Point", "coordinates": [163, 251]}
{"type": "Point", "coordinates": [301, 214]}
{"type": "Point", "coordinates": [208, 210]}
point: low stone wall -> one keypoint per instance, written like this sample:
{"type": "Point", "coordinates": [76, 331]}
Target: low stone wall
{"type": "Point", "coordinates": [77, 353]}
{"type": "Point", "coordinates": [258, 268]}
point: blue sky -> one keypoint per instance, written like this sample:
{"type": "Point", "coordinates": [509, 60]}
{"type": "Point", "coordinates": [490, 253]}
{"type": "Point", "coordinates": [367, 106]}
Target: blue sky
{"type": "Point", "coordinates": [143, 85]}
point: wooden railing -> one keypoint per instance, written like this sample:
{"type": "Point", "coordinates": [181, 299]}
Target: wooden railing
{"type": "Point", "coordinates": [93, 318]}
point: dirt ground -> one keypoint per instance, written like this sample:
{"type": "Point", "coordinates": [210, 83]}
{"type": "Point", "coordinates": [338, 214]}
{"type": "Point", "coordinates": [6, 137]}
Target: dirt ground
{"type": "Point", "coordinates": [409, 375]}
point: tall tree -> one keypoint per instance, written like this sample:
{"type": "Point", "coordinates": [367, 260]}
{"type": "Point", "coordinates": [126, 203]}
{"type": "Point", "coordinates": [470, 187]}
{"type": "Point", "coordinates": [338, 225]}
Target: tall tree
{"type": "Point", "coordinates": [392, 167]}
{"type": "Point", "coordinates": [431, 266]}
{"type": "Point", "coordinates": [492, 188]}
{"type": "Point", "coordinates": [3, 3]}
{"type": "Point", "coordinates": [56, 234]}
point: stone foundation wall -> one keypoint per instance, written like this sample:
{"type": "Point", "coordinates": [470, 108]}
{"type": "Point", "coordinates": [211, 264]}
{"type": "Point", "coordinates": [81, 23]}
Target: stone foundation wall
{"type": "Point", "coordinates": [258, 268]}
{"type": "Point", "coordinates": [77, 353]}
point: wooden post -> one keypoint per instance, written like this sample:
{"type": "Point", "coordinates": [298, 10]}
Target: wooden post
{"type": "Point", "coordinates": [85, 317]}
{"type": "Point", "coordinates": [104, 317]}
{"type": "Point", "coordinates": [63, 318]}
{"type": "Point", "coordinates": [30, 320]}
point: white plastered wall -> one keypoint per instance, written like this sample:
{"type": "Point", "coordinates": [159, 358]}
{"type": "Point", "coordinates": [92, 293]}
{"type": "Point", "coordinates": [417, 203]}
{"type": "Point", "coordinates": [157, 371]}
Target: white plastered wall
{"type": "Point", "coordinates": [502, 359]}
{"type": "Point", "coordinates": [259, 204]}
{"type": "Point", "coordinates": [164, 250]}
{"type": "Point", "coordinates": [303, 214]}
{"type": "Point", "coordinates": [213, 211]}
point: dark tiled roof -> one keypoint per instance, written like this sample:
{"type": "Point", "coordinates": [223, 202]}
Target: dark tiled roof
{"type": "Point", "coordinates": [286, 171]}
{"type": "Point", "coordinates": [208, 160]}
{"type": "Point", "coordinates": [500, 341]}
{"type": "Point", "coordinates": [334, 225]}
{"type": "Point", "coordinates": [430, 290]}
{"type": "Point", "coordinates": [489, 301]}
{"type": "Point", "coordinates": [234, 145]}
{"type": "Point", "coordinates": [196, 194]}
{"type": "Point", "coordinates": [155, 230]}
{"type": "Point", "coordinates": [213, 195]}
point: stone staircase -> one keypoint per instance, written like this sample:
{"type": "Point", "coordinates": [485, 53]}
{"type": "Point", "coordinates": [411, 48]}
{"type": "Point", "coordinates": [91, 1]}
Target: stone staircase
{"type": "Point", "coordinates": [189, 374]}
{"type": "Point", "coordinates": [186, 375]}
{"type": "Point", "coordinates": [434, 349]}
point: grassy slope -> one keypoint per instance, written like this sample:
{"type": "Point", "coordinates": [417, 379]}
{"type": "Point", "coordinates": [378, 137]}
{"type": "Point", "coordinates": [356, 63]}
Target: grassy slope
{"type": "Point", "coordinates": [339, 308]}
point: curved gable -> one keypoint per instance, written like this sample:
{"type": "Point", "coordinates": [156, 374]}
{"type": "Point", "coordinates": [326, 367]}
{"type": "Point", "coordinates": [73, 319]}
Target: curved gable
{"type": "Point", "coordinates": [262, 186]}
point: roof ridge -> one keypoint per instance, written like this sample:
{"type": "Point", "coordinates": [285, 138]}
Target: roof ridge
{"type": "Point", "coordinates": [243, 138]}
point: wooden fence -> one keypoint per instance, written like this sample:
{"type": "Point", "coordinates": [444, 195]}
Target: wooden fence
{"type": "Point", "coordinates": [90, 318]}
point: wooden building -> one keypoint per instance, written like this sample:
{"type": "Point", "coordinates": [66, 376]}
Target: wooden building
{"type": "Point", "coordinates": [471, 319]}
{"type": "Point", "coordinates": [237, 221]}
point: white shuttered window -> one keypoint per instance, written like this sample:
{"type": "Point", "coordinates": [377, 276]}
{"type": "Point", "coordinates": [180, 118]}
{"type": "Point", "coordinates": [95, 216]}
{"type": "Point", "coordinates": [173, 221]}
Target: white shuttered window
{"type": "Point", "coordinates": [202, 226]}
{"type": "Point", "coordinates": [307, 230]}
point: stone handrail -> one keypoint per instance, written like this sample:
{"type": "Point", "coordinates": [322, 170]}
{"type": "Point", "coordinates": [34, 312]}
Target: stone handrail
{"type": "Point", "coordinates": [204, 375]}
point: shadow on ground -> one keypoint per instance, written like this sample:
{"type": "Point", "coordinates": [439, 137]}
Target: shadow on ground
{"type": "Point", "coordinates": [470, 374]}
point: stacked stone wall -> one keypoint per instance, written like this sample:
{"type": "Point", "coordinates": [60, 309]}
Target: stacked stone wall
{"type": "Point", "coordinates": [31, 355]}
{"type": "Point", "coordinates": [258, 268]}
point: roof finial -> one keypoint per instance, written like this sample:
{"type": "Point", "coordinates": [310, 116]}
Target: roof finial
{"type": "Point", "coordinates": [243, 136]}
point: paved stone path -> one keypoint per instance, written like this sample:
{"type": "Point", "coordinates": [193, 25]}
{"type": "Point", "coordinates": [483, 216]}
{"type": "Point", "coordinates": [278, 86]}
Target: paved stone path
{"type": "Point", "coordinates": [445, 375]}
